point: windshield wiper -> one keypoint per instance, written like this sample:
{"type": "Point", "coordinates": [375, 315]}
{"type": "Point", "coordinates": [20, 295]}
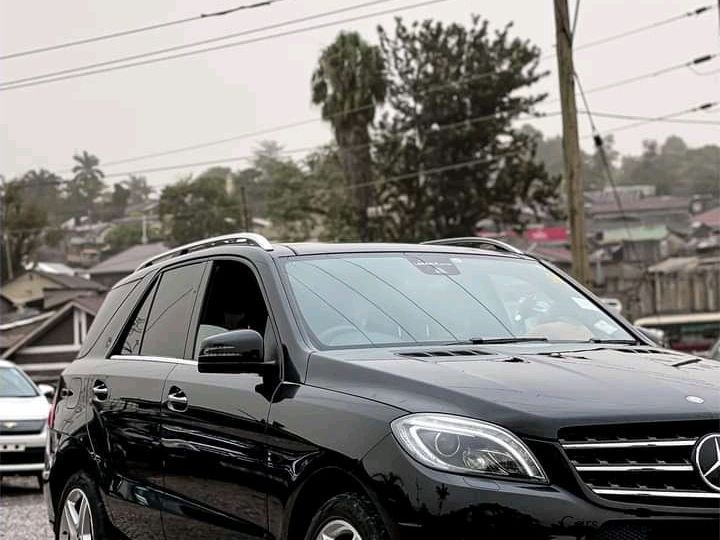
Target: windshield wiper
{"type": "Point", "coordinates": [618, 341]}
{"type": "Point", "coordinates": [481, 341]}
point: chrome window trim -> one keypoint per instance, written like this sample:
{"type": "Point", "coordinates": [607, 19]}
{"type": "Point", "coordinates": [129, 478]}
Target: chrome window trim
{"type": "Point", "coordinates": [163, 359]}
{"type": "Point", "coordinates": [628, 444]}
{"type": "Point", "coordinates": [657, 493]}
{"type": "Point", "coordinates": [629, 468]}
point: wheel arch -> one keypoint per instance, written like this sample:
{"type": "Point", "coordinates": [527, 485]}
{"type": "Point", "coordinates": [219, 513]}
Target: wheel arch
{"type": "Point", "coordinates": [333, 477]}
{"type": "Point", "coordinates": [72, 457]}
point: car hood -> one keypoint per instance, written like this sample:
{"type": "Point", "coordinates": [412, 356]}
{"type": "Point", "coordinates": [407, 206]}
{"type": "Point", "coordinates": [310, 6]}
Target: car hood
{"type": "Point", "coordinates": [26, 408]}
{"type": "Point", "coordinates": [533, 390]}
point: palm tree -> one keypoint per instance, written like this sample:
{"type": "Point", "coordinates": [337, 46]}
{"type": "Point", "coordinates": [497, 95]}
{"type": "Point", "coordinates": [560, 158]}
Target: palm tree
{"type": "Point", "coordinates": [87, 184]}
{"type": "Point", "coordinates": [349, 83]}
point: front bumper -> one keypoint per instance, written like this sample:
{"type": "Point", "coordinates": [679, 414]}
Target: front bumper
{"type": "Point", "coordinates": [420, 503]}
{"type": "Point", "coordinates": [22, 454]}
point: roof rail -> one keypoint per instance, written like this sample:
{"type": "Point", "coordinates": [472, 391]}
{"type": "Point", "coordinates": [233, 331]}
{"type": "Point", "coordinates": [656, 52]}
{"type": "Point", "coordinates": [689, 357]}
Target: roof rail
{"type": "Point", "coordinates": [473, 241]}
{"type": "Point", "coordinates": [253, 239]}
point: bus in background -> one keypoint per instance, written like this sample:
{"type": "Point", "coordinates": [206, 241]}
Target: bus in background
{"type": "Point", "coordinates": [692, 332]}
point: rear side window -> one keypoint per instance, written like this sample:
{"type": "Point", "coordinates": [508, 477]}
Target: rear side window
{"type": "Point", "coordinates": [118, 302]}
{"type": "Point", "coordinates": [160, 327]}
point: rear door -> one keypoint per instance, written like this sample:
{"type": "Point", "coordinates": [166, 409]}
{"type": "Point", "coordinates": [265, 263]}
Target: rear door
{"type": "Point", "coordinates": [126, 395]}
{"type": "Point", "coordinates": [213, 428]}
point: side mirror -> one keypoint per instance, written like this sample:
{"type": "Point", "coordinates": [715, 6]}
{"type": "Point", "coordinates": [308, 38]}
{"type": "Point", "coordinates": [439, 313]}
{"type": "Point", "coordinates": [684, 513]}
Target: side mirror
{"type": "Point", "coordinates": [238, 351]}
{"type": "Point", "coordinates": [46, 390]}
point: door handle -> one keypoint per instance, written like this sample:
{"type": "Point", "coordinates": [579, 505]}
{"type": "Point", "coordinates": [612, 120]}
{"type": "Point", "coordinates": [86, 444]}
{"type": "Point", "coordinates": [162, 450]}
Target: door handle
{"type": "Point", "coordinates": [177, 400]}
{"type": "Point", "coordinates": [100, 391]}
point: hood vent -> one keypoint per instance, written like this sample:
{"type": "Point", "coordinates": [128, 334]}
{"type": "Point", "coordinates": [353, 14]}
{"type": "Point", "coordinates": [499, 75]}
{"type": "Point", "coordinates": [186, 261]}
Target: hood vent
{"type": "Point", "coordinates": [435, 353]}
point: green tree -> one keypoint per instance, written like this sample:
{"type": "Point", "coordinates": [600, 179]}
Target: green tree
{"type": "Point", "coordinates": [126, 235]}
{"type": "Point", "coordinates": [348, 84]}
{"type": "Point", "coordinates": [86, 185]}
{"type": "Point", "coordinates": [198, 208]}
{"type": "Point", "coordinates": [139, 189]}
{"type": "Point", "coordinates": [42, 187]}
{"type": "Point", "coordinates": [453, 150]}
{"type": "Point", "coordinates": [290, 204]}
{"type": "Point", "coordinates": [24, 225]}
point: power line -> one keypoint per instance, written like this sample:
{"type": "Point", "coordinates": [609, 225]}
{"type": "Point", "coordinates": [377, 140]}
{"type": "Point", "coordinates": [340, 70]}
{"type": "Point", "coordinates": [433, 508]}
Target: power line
{"type": "Point", "coordinates": [598, 140]}
{"type": "Point", "coordinates": [282, 127]}
{"type": "Point", "coordinates": [392, 136]}
{"type": "Point", "coordinates": [83, 71]}
{"type": "Point", "coordinates": [138, 30]}
{"type": "Point", "coordinates": [703, 107]}
{"type": "Point", "coordinates": [688, 121]}
{"type": "Point", "coordinates": [299, 123]}
{"type": "Point", "coordinates": [80, 71]}
{"type": "Point", "coordinates": [614, 37]}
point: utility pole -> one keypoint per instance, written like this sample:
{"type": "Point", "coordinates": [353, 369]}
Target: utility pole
{"type": "Point", "coordinates": [571, 145]}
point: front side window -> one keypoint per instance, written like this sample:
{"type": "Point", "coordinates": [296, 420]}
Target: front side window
{"type": "Point", "coordinates": [385, 299]}
{"type": "Point", "coordinates": [233, 301]}
{"type": "Point", "coordinates": [14, 384]}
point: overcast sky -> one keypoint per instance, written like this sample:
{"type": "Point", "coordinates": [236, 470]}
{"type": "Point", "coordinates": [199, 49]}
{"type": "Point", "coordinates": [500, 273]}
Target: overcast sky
{"type": "Point", "coordinates": [147, 109]}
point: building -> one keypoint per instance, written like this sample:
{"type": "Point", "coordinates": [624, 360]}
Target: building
{"type": "Point", "coordinates": [45, 344]}
{"type": "Point", "coordinates": [113, 269]}
{"type": "Point", "coordinates": [34, 287]}
{"type": "Point", "coordinates": [604, 213]}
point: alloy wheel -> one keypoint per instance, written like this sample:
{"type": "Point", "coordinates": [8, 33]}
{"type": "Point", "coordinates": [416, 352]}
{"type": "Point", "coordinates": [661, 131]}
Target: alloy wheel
{"type": "Point", "coordinates": [76, 521]}
{"type": "Point", "coordinates": [338, 529]}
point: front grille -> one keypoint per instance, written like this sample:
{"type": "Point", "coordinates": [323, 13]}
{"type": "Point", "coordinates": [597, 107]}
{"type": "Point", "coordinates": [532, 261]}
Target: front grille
{"type": "Point", "coordinates": [646, 463]}
{"type": "Point", "coordinates": [21, 427]}
{"type": "Point", "coordinates": [31, 455]}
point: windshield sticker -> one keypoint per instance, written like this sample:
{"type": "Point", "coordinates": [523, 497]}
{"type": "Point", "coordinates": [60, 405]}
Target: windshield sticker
{"type": "Point", "coordinates": [584, 303]}
{"type": "Point", "coordinates": [435, 265]}
{"type": "Point", "coordinates": [606, 327]}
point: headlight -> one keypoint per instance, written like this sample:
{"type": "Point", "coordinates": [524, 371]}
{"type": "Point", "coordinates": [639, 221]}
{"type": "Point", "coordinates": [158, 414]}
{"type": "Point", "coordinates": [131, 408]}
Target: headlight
{"type": "Point", "coordinates": [466, 446]}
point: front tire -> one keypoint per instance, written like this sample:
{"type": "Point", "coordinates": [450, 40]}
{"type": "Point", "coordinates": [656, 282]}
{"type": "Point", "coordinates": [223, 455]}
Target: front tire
{"type": "Point", "coordinates": [347, 516]}
{"type": "Point", "coordinates": [81, 514]}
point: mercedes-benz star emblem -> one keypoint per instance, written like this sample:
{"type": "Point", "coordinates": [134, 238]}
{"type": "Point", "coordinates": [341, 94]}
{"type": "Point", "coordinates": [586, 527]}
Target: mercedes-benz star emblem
{"type": "Point", "coordinates": [706, 457]}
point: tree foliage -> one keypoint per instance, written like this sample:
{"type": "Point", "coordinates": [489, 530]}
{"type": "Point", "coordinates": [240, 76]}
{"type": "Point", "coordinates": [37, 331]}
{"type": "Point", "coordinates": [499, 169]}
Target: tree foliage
{"type": "Point", "coordinates": [460, 159]}
{"type": "Point", "coordinates": [198, 208]}
{"type": "Point", "coordinates": [23, 225]}
{"type": "Point", "coordinates": [349, 83]}
{"type": "Point", "coordinates": [86, 185]}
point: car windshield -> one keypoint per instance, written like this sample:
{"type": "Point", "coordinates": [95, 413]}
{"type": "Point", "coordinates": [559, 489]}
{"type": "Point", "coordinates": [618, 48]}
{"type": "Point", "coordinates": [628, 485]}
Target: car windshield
{"type": "Point", "coordinates": [14, 384]}
{"type": "Point", "coordinates": [406, 298]}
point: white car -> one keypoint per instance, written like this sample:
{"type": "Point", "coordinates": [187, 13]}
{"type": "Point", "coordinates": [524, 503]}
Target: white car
{"type": "Point", "coordinates": [24, 410]}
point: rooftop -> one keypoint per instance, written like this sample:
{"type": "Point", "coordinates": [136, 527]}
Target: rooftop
{"type": "Point", "coordinates": [127, 261]}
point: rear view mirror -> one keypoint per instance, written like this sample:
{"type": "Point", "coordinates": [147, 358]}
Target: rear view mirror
{"type": "Point", "coordinates": [238, 351]}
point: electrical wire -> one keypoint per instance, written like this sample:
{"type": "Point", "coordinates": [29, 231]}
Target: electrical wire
{"type": "Point", "coordinates": [84, 71]}
{"type": "Point", "coordinates": [121, 33]}
{"type": "Point", "coordinates": [80, 71]}
{"type": "Point", "coordinates": [598, 140]}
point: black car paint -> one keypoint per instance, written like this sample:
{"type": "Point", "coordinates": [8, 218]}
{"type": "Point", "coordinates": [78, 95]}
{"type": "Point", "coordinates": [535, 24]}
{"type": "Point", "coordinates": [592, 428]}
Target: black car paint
{"type": "Point", "coordinates": [259, 440]}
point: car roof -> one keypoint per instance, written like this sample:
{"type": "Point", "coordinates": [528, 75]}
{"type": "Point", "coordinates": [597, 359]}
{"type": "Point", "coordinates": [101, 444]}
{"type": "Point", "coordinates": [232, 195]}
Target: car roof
{"type": "Point", "coordinates": [6, 364]}
{"type": "Point", "coordinates": [294, 249]}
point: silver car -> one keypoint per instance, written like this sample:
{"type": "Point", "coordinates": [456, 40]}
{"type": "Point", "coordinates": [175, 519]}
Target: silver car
{"type": "Point", "coordinates": [24, 410]}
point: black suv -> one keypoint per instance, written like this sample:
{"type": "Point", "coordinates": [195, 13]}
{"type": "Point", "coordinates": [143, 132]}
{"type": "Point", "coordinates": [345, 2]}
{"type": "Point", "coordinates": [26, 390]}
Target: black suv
{"type": "Point", "coordinates": [234, 388]}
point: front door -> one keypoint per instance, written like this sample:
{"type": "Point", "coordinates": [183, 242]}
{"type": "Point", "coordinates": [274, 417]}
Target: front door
{"type": "Point", "coordinates": [213, 426]}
